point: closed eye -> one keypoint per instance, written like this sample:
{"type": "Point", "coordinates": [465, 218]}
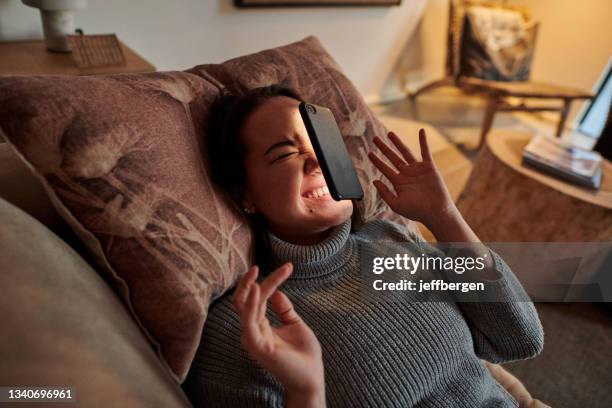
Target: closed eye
{"type": "Point", "coordinates": [282, 156]}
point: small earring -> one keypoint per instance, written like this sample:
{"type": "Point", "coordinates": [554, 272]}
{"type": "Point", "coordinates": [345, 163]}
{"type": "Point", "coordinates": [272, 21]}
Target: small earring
{"type": "Point", "coordinates": [246, 210]}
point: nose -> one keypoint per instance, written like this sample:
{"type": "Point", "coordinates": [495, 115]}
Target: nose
{"type": "Point", "coordinates": [311, 164]}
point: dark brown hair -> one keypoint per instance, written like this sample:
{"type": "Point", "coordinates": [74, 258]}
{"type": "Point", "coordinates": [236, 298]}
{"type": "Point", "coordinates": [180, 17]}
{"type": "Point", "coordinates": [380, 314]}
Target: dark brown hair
{"type": "Point", "coordinates": [226, 150]}
{"type": "Point", "coordinates": [226, 153]}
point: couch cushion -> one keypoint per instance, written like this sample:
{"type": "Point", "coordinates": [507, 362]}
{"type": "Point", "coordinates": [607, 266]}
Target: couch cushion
{"type": "Point", "coordinates": [120, 158]}
{"type": "Point", "coordinates": [308, 68]}
{"type": "Point", "coordinates": [78, 333]}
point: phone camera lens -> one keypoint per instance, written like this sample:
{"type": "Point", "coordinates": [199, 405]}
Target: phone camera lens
{"type": "Point", "coordinates": [311, 109]}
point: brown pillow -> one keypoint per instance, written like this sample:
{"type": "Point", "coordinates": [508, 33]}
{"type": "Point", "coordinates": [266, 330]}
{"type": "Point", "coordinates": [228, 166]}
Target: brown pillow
{"type": "Point", "coordinates": [120, 158]}
{"type": "Point", "coordinates": [308, 68]}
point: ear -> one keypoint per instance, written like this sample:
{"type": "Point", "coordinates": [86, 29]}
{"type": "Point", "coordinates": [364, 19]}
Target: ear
{"type": "Point", "coordinates": [247, 205]}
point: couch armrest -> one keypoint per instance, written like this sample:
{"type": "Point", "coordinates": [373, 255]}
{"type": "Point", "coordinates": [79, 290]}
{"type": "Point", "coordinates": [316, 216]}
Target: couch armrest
{"type": "Point", "coordinates": [62, 325]}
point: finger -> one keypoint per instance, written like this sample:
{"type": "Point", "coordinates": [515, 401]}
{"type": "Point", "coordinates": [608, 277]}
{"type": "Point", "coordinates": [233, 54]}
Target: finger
{"type": "Point", "coordinates": [403, 149]}
{"type": "Point", "coordinates": [242, 290]}
{"type": "Point", "coordinates": [384, 168]}
{"type": "Point", "coordinates": [425, 154]}
{"type": "Point", "coordinates": [389, 153]}
{"type": "Point", "coordinates": [248, 277]}
{"type": "Point", "coordinates": [251, 333]}
{"type": "Point", "coordinates": [386, 194]}
{"type": "Point", "coordinates": [282, 306]}
{"type": "Point", "coordinates": [271, 283]}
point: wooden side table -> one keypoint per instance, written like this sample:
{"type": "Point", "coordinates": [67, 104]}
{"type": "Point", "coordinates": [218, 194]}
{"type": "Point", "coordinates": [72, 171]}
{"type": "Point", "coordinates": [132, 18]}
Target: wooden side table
{"type": "Point", "coordinates": [32, 58]}
{"type": "Point", "coordinates": [505, 201]}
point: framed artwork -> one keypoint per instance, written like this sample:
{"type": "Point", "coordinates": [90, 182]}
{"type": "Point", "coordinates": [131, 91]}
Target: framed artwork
{"type": "Point", "coordinates": [301, 3]}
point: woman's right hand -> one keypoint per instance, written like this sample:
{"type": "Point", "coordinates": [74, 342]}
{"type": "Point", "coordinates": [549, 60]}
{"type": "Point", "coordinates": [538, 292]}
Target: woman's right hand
{"type": "Point", "coordinates": [290, 351]}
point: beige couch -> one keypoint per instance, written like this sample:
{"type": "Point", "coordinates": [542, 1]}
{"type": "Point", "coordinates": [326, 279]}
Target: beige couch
{"type": "Point", "coordinates": [62, 325]}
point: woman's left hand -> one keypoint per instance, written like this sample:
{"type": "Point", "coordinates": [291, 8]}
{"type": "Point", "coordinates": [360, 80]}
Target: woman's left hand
{"type": "Point", "coordinates": [420, 192]}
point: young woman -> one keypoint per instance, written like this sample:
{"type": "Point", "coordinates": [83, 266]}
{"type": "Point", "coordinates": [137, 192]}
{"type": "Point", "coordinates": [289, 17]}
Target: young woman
{"type": "Point", "coordinates": [368, 353]}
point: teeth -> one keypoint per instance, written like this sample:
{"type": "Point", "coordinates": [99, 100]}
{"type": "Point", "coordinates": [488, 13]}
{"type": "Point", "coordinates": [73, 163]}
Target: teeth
{"type": "Point", "coordinates": [316, 193]}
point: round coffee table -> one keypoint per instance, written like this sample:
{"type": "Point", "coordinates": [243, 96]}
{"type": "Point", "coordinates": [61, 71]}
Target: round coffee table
{"type": "Point", "coordinates": [505, 201]}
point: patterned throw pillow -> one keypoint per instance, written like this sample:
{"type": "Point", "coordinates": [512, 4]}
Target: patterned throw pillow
{"type": "Point", "coordinates": [120, 157]}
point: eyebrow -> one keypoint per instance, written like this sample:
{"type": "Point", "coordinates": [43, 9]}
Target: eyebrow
{"type": "Point", "coordinates": [280, 144]}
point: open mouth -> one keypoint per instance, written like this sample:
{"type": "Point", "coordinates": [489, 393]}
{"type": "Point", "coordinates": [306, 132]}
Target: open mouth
{"type": "Point", "coordinates": [317, 193]}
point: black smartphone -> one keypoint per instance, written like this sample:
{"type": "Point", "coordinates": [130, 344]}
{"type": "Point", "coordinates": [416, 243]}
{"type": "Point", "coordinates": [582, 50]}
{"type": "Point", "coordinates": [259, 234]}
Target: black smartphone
{"type": "Point", "coordinates": [335, 162]}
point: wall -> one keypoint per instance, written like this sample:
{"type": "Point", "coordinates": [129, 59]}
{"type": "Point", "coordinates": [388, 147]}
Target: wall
{"type": "Point", "coordinates": [573, 46]}
{"type": "Point", "coordinates": [382, 50]}
{"type": "Point", "coordinates": [179, 34]}
{"type": "Point", "coordinates": [574, 43]}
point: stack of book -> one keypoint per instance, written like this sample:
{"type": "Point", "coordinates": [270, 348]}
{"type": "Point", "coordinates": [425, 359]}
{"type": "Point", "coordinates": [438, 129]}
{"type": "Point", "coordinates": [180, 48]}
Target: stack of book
{"type": "Point", "coordinates": [573, 164]}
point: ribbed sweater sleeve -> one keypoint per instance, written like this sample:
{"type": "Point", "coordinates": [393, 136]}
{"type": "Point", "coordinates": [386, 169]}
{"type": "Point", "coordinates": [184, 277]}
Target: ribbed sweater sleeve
{"type": "Point", "coordinates": [508, 329]}
{"type": "Point", "coordinates": [505, 329]}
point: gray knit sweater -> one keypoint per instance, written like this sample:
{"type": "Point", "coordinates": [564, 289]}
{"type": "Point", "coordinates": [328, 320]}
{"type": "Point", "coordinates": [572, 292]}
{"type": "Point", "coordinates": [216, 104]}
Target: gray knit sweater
{"type": "Point", "coordinates": [378, 354]}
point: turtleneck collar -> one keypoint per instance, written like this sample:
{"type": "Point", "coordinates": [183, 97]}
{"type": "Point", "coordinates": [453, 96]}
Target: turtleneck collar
{"type": "Point", "coordinates": [313, 261]}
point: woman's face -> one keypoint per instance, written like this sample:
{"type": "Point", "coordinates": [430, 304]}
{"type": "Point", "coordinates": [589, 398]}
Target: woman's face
{"type": "Point", "coordinates": [283, 178]}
